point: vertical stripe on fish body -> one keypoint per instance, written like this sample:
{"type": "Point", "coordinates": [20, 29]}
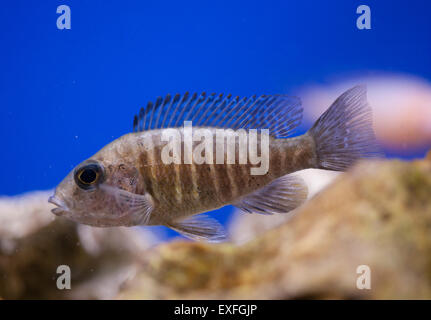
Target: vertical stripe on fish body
{"type": "Point", "coordinates": [180, 190]}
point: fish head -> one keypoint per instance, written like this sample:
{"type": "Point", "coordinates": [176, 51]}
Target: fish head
{"type": "Point", "coordinates": [92, 192]}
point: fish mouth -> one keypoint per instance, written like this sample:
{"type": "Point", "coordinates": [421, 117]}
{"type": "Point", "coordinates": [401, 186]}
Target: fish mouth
{"type": "Point", "coordinates": [61, 206]}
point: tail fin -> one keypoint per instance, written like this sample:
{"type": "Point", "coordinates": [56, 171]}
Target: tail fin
{"type": "Point", "coordinates": [344, 133]}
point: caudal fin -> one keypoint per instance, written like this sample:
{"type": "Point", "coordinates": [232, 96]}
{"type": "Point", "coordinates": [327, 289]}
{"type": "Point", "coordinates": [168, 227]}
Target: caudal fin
{"type": "Point", "coordinates": [344, 133]}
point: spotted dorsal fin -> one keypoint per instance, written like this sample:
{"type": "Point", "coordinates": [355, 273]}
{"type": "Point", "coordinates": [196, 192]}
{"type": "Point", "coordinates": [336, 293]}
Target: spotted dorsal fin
{"type": "Point", "coordinates": [278, 113]}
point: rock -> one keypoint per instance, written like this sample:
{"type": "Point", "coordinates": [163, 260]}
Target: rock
{"type": "Point", "coordinates": [378, 214]}
{"type": "Point", "coordinates": [33, 243]}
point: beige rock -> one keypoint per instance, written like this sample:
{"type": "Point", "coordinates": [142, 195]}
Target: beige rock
{"type": "Point", "coordinates": [33, 243]}
{"type": "Point", "coordinates": [378, 215]}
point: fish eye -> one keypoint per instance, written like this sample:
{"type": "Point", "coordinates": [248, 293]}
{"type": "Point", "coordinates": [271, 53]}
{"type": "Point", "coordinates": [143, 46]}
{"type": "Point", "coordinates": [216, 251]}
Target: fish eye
{"type": "Point", "coordinates": [88, 175]}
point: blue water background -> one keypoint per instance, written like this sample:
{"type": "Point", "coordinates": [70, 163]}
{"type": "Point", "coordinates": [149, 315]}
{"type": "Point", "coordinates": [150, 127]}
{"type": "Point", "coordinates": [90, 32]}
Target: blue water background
{"type": "Point", "coordinates": [64, 94]}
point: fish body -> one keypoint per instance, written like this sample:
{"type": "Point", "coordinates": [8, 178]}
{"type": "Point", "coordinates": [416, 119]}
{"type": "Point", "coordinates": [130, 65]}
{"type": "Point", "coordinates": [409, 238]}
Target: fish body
{"type": "Point", "coordinates": [130, 182]}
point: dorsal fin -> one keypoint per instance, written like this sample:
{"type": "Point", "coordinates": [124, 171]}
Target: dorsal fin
{"type": "Point", "coordinates": [278, 113]}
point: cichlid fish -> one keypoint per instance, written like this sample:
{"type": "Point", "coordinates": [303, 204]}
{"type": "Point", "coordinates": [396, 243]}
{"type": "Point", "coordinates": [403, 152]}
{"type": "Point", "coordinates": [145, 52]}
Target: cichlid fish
{"type": "Point", "coordinates": [129, 183]}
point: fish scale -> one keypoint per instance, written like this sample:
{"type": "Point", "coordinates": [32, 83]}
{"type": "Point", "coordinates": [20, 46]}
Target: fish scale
{"type": "Point", "coordinates": [229, 181]}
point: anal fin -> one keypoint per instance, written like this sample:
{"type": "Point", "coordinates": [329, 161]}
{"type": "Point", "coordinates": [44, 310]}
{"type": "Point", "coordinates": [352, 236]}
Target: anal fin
{"type": "Point", "coordinates": [280, 196]}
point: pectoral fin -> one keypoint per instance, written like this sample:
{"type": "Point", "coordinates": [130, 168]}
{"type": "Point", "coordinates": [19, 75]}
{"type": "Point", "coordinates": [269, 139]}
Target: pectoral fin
{"type": "Point", "coordinates": [139, 206]}
{"type": "Point", "coordinates": [200, 227]}
{"type": "Point", "coordinates": [280, 196]}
